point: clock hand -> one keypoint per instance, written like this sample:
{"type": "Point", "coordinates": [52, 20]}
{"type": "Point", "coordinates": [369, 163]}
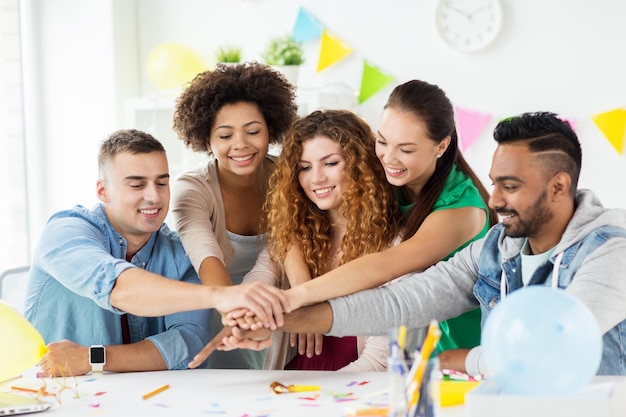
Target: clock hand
{"type": "Point", "coordinates": [459, 11]}
{"type": "Point", "coordinates": [470, 15]}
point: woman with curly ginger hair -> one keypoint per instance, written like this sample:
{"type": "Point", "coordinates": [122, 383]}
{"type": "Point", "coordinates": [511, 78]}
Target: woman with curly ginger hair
{"type": "Point", "coordinates": [298, 217]}
{"type": "Point", "coordinates": [329, 203]}
{"type": "Point", "coordinates": [233, 114]}
{"type": "Point", "coordinates": [443, 202]}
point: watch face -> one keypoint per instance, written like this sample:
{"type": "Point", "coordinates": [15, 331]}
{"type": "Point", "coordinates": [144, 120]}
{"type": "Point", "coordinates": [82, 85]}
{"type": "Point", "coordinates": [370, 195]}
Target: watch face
{"type": "Point", "coordinates": [96, 354]}
{"type": "Point", "coordinates": [469, 25]}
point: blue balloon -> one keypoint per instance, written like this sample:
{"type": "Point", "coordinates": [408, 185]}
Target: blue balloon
{"type": "Point", "coordinates": [541, 341]}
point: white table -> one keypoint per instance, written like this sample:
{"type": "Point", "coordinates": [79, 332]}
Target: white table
{"type": "Point", "coordinates": [199, 392]}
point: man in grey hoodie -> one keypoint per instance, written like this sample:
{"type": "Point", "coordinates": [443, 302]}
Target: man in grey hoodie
{"type": "Point", "coordinates": [550, 234]}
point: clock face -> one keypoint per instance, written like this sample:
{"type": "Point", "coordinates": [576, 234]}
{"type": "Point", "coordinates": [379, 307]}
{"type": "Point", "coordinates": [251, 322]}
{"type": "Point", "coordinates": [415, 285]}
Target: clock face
{"type": "Point", "coordinates": [469, 25]}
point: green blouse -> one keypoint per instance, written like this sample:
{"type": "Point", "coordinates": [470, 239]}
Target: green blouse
{"type": "Point", "coordinates": [459, 191]}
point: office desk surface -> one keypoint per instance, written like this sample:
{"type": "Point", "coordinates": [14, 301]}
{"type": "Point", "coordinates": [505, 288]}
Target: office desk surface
{"type": "Point", "coordinates": [200, 392]}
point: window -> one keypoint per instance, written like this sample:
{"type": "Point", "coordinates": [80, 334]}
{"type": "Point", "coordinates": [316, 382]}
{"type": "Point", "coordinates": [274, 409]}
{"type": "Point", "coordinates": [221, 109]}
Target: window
{"type": "Point", "coordinates": [14, 244]}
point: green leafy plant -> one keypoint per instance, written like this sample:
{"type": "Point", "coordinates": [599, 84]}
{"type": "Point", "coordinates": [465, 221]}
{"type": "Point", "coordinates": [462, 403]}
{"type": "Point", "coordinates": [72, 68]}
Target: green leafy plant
{"type": "Point", "coordinates": [283, 50]}
{"type": "Point", "coordinates": [229, 54]}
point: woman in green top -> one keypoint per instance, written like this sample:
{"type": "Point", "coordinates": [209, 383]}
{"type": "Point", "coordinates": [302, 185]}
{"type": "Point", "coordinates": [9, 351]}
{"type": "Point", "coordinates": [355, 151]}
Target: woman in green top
{"type": "Point", "coordinates": [445, 205]}
{"type": "Point", "coordinates": [458, 191]}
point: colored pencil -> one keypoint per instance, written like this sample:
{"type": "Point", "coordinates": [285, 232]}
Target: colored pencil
{"type": "Point", "coordinates": [155, 392]}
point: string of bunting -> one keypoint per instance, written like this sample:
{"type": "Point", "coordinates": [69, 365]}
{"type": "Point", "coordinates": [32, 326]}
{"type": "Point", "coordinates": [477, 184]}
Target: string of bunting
{"type": "Point", "coordinates": [471, 123]}
{"type": "Point", "coordinates": [333, 49]}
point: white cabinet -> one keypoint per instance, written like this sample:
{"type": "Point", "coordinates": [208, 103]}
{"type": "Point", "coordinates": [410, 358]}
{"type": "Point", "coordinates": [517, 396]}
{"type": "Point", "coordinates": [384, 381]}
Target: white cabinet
{"type": "Point", "coordinates": [154, 115]}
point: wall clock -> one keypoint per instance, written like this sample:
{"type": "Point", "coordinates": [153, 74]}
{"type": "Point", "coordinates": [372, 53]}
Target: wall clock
{"type": "Point", "coordinates": [468, 25]}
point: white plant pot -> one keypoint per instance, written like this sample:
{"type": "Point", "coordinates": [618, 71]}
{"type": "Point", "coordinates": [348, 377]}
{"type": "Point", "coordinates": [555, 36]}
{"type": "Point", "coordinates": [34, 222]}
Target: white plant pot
{"type": "Point", "coordinates": [291, 72]}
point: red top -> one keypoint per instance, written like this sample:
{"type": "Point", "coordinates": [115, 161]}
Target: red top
{"type": "Point", "coordinates": [337, 352]}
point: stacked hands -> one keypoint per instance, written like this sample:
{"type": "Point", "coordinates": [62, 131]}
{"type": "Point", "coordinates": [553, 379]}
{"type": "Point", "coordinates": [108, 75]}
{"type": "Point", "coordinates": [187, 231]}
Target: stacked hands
{"type": "Point", "coordinates": [245, 327]}
{"type": "Point", "coordinates": [248, 329]}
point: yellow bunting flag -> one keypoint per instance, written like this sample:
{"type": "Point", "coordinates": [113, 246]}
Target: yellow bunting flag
{"type": "Point", "coordinates": [613, 126]}
{"type": "Point", "coordinates": [332, 50]}
{"type": "Point", "coordinates": [372, 81]}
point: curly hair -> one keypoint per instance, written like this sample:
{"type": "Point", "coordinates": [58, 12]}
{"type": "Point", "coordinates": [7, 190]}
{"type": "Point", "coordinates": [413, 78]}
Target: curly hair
{"type": "Point", "coordinates": [250, 82]}
{"type": "Point", "coordinates": [369, 203]}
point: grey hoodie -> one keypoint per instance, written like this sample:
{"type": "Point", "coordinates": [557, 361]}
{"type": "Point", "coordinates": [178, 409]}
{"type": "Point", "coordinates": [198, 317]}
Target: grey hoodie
{"type": "Point", "coordinates": [593, 274]}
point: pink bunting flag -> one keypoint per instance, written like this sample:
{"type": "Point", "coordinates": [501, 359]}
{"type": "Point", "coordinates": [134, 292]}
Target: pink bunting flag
{"type": "Point", "coordinates": [470, 124]}
{"type": "Point", "coordinates": [571, 122]}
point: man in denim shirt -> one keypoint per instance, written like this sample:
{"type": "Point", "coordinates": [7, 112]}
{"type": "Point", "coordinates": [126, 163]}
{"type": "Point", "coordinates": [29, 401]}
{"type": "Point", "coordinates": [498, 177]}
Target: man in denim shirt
{"type": "Point", "coordinates": [117, 276]}
{"type": "Point", "coordinates": [550, 234]}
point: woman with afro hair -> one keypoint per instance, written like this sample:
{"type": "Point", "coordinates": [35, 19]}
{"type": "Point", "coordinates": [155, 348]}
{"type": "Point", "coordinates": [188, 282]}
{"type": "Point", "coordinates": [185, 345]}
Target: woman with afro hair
{"type": "Point", "coordinates": [329, 203]}
{"type": "Point", "coordinates": [233, 114]}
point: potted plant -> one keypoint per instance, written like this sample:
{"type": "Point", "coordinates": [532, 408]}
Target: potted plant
{"type": "Point", "coordinates": [229, 55]}
{"type": "Point", "coordinates": [286, 55]}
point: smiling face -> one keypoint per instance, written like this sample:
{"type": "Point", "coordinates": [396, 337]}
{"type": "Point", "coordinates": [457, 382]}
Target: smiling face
{"type": "Point", "coordinates": [406, 151]}
{"type": "Point", "coordinates": [321, 173]}
{"type": "Point", "coordinates": [520, 193]}
{"type": "Point", "coordinates": [239, 139]}
{"type": "Point", "coordinates": [135, 191]}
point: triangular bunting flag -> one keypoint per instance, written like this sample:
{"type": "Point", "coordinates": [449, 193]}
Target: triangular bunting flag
{"type": "Point", "coordinates": [571, 122]}
{"type": "Point", "coordinates": [332, 50]}
{"type": "Point", "coordinates": [307, 27]}
{"type": "Point", "coordinates": [471, 124]}
{"type": "Point", "coordinates": [613, 126]}
{"type": "Point", "coordinates": [372, 81]}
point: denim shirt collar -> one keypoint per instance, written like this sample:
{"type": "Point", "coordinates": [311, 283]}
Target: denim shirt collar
{"type": "Point", "coordinates": [119, 243]}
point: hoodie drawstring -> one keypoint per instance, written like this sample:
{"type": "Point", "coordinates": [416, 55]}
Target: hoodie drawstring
{"type": "Point", "coordinates": [555, 276]}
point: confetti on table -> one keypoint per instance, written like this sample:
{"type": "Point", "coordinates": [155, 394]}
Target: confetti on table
{"type": "Point", "coordinates": [34, 391]}
{"type": "Point", "coordinates": [349, 394]}
{"type": "Point", "coordinates": [341, 400]}
{"type": "Point", "coordinates": [309, 398]}
{"type": "Point", "coordinates": [338, 398]}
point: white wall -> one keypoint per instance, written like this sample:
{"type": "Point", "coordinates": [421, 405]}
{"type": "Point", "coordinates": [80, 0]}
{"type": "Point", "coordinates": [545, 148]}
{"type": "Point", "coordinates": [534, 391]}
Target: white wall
{"type": "Point", "coordinates": [73, 95]}
{"type": "Point", "coordinates": [565, 56]}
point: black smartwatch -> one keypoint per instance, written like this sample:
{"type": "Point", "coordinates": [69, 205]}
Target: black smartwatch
{"type": "Point", "coordinates": [97, 358]}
